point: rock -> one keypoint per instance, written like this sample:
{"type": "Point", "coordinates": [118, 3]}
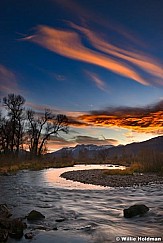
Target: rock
{"type": "Point", "coordinates": [55, 228]}
{"type": "Point", "coordinates": [137, 209]}
{"type": "Point", "coordinates": [4, 211]}
{"type": "Point", "coordinates": [35, 215]}
{"type": "Point", "coordinates": [3, 235]}
{"type": "Point", "coordinates": [5, 173]}
{"type": "Point", "coordinates": [5, 223]}
{"type": "Point", "coordinates": [86, 228]}
{"type": "Point", "coordinates": [60, 220]}
{"type": "Point", "coordinates": [16, 228]}
{"type": "Point", "coordinates": [12, 227]}
{"type": "Point", "coordinates": [29, 235]}
{"type": "Point", "coordinates": [41, 227]}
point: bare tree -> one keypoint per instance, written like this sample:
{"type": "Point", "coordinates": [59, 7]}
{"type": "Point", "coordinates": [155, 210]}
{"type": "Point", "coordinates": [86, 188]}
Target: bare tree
{"type": "Point", "coordinates": [42, 127]}
{"type": "Point", "coordinates": [102, 155]}
{"type": "Point", "coordinates": [34, 129]}
{"type": "Point", "coordinates": [5, 136]}
{"type": "Point", "coordinates": [12, 126]}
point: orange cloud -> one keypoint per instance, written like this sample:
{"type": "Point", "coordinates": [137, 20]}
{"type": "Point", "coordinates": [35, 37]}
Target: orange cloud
{"type": "Point", "coordinates": [146, 119]}
{"type": "Point", "coordinates": [86, 15]}
{"type": "Point", "coordinates": [141, 60]}
{"type": "Point", "coordinates": [68, 44]}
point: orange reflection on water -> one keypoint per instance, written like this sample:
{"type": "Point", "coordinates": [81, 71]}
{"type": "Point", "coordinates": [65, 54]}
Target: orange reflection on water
{"type": "Point", "coordinates": [53, 179]}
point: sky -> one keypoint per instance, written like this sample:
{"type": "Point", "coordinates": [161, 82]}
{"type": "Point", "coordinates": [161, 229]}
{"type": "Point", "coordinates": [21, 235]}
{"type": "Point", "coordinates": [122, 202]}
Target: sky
{"type": "Point", "coordinates": [100, 62]}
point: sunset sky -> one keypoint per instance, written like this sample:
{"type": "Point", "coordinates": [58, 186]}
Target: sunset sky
{"type": "Point", "coordinates": [100, 62]}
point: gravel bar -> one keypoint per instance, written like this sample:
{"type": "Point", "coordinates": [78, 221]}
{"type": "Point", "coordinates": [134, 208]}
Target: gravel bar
{"type": "Point", "coordinates": [98, 177]}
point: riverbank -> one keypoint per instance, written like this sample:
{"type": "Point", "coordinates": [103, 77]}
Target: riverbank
{"type": "Point", "coordinates": [14, 165]}
{"type": "Point", "coordinates": [99, 177]}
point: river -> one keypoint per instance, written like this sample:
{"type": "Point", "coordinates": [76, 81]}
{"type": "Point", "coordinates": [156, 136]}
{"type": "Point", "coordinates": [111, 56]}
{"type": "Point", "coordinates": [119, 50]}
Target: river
{"type": "Point", "coordinates": [93, 214]}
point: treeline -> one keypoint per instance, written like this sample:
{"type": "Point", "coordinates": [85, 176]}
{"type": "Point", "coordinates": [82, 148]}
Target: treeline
{"type": "Point", "coordinates": [150, 160]}
{"type": "Point", "coordinates": [24, 129]}
{"type": "Point", "coordinates": [145, 160]}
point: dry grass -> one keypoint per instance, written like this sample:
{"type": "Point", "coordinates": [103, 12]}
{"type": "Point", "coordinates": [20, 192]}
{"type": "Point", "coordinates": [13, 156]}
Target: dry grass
{"type": "Point", "coordinates": [9, 165]}
{"type": "Point", "coordinates": [117, 172]}
{"type": "Point", "coordinates": [136, 167]}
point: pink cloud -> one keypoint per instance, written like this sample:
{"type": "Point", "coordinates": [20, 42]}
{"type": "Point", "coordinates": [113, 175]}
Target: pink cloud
{"type": "Point", "coordinates": [8, 82]}
{"type": "Point", "coordinates": [98, 81]}
{"type": "Point", "coordinates": [68, 44]}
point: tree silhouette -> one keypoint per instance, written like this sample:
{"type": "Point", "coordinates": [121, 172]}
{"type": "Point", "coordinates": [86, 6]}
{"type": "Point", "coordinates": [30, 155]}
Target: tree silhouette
{"type": "Point", "coordinates": [12, 125]}
{"type": "Point", "coordinates": [19, 128]}
{"type": "Point", "coordinates": [42, 127]}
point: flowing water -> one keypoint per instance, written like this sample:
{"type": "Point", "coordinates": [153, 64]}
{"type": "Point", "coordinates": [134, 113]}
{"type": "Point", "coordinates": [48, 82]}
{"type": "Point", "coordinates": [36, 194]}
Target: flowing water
{"type": "Point", "coordinates": [92, 213]}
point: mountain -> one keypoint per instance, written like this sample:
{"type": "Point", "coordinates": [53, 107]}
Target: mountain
{"type": "Point", "coordinates": [104, 152]}
{"type": "Point", "coordinates": [154, 144]}
{"type": "Point", "coordinates": [81, 150]}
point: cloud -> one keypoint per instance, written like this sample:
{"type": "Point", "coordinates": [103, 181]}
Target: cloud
{"type": "Point", "coordinates": [8, 83]}
{"type": "Point", "coordinates": [75, 8]}
{"type": "Point", "coordinates": [99, 83]}
{"type": "Point", "coordinates": [41, 108]}
{"type": "Point", "coordinates": [147, 119]}
{"type": "Point", "coordinates": [68, 44]}
{"type": "Point", "coordinates": [56, 143]}
{"type": "Point", "coordinates": [94, 140]}
{"type": "Point", "coordinates": [142, 60]}
{"type": "Point", "coordinates": [75, 122]}
{"type": "Point", "coordinates": [85, 15]}
{"type": "Point", "coordinates": [111, 57]}
{"type": "Point", "coordinates": [59, 77]}
{"type": "Point", "coordinates": [134, 57]}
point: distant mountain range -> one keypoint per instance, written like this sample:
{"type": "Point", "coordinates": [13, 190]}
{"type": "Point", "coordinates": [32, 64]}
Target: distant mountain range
{"type": "Point", "coordinates": [89, 150]}
{"type": "Point", "coordinates": [154, 144]}
{"type": "Point", "coordinates": [93, 151]}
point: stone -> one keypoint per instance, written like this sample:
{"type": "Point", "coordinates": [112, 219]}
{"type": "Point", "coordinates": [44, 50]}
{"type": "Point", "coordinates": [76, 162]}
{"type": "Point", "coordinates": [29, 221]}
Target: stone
{"type": "Point", "coordinates": [5, 223]}
{"type": "Point", "coordinates": [41, 227]}
{"type": "Point", "coordinates": [5, 173]}
{"type": "Point", "coordinates": [4, 211]}
{"type": "Point", "coordinates": [29, 235]}
{"type": "Point", "coordinates": [3, 235]}
{"type": "Point", "coordinates": [8, 226]}
{"type": "Point", "coordinates": [55, 228]}
{"type": "Point", "coordinates": [35, 215]}
{"type": "Point", "coordinates": [137, 209]}
{"type": "Point", "coordinates": [16, 228]}
{"type": "Point", "coordinates": [86, 228]}
{"type": "Point", "coordinates": [60, 220]}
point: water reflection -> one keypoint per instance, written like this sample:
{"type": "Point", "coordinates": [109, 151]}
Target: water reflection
{"type": "Point", "coordinates": [91, 212]}
{"type": "Point", "coordinates": [52, 176]}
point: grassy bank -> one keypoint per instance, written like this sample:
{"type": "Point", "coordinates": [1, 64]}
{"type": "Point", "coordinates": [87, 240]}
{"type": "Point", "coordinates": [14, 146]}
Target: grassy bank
{"type": "Point", "coordinates": [134, 168]}
{"type": "Point", "coordinates": [11, 165]}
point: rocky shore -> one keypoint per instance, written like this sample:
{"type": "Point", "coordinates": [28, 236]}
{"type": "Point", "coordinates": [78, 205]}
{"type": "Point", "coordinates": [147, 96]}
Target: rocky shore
{"type": "Point", "coordinates": [98, 177]}
{"type": "Point", "coordinates": [17, 228]}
